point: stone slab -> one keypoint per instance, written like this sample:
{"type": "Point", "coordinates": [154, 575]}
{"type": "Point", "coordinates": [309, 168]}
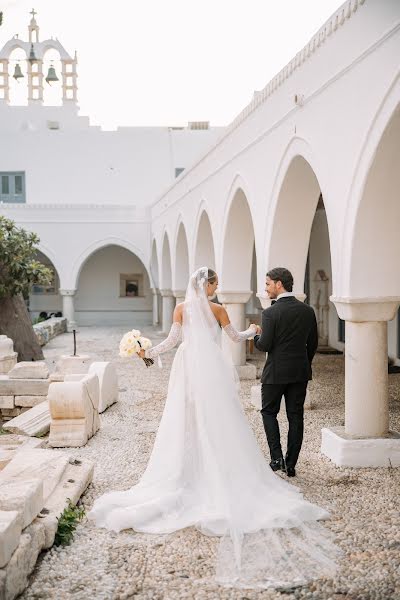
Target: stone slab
{"type": "Point", "coordinates": [45, 465]}
{"type": "Point", "coordinates": [108, 382]}
{"type": "Point", "coordinates": [23, 387]}
{"type": "Point", "coordinates": [23, 560]}
{"type": "Point", "coordinates": [29, 370]}
{"type": "Point", "coordinates": [73, 483]}
{"type": "Point", "coordinates": [10, 412]}
{"type": "Point", "coordinates": [35, 421]}
{"type": "Point", "coordinates": [11, 444]}
{"type": "Point", "coordinates": [10, 531]}
{"type": "Point", "coordinates": [344, 451]}
{"type": "Point", "coordinates": [73, 364]}
{"type": "Point", "coordinates": [6, 401]}
{"type": "Point", "coordinates": [7, 363]}
{"type": "Point", "coordinates": [24, 496]}
{"type": "Point", "coordinates": [29, 401]}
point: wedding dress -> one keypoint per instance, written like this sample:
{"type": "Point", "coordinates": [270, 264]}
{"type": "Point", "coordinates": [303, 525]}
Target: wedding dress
{"type": "Point", "coordinates": [207, 470]}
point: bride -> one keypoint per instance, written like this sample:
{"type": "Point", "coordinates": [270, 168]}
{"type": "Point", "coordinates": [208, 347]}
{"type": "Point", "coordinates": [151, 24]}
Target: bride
{"type": "Point", "coordinates": [206, 469]}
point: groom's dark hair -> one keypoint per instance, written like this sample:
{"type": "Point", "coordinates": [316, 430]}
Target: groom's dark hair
{"type": "Point", "coordinates": [283, 275]}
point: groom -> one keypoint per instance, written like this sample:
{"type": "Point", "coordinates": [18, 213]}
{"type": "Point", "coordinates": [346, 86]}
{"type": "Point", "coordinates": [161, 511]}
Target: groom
{"type": "Point", "coordinates": [289, 335]}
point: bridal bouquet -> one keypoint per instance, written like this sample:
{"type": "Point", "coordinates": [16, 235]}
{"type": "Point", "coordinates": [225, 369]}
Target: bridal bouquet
{"type": "Point", "coordinates": [132, 342]}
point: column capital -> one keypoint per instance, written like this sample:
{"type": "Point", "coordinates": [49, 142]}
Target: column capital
{"type": "Point", "coordinates": [155, 291]}
{"type": "Point", "coordinates": [361, 310]}
{"type": "Point", "coordinates": [67, 292]}
{"type": "Point", "coordinates": [165, 293]}
{"type": "Point", "coordinates": [230, 297]}
{"type": "Point", "coordinates": [179, 293]}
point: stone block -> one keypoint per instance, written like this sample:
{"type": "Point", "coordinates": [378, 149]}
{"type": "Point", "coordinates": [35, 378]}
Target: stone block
{"type": "Point", "coordinates": [71, 486]}
{"type": "Point", "coordinates": [23, 560]}
{"type": "Point", "coordinates": [35, 421]}
{"type": "Point", "coordinates": [74, 411]}
{"type": "Point", "coordinates": [7, 363]}
{"type": "Point", "coordinates": [29, 370]}
{"type": "Point", "coordinates": [10, 412]}
{"type": "Point", "coordinates": [11, 444]}
{"type": "Point", "coordinates": [22, 495]}
{"type": "Point", "coordinates": [73, 364]}
{"type": "Point", "coordinates": [6, 402]}
{"type": "Point", "coordinates": [108, 383]}
{"type": "Point", "coordinates": [349, 451]}
{"type": "Point", "coordinates": [44, 465]}
{"type": "Point", "coordinates": [23, 387]}
{"type": "Point", "coordinates": [29, 401]}
{"type": "Point", "coordinates": [10, 531]}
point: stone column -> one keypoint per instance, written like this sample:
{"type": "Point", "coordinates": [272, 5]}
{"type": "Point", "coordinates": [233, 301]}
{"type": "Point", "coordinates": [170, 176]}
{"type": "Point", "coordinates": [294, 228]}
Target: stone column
{"type": "Point", "coordinates": [168, 305]}
{"type": "Point", "coordinates": [179, 296]}
{"type": "Point", "coordinates": [365, 440]}
{"type": "Point", "coordinates": [155, 293]}
{"type": "Point", "coordinates": [68, 308]}
{"type": "Point", "coordinates": [235, 302]}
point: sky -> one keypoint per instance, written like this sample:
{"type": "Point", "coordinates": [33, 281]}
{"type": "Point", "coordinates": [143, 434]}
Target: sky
{"type": "Point", "coordinates": [167, 62]}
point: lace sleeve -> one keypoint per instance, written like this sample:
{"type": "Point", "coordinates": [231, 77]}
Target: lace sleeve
{"type": "Point", "coordinates": [238, 336]}
{"type": "Point", "coordinates": [167, 344]}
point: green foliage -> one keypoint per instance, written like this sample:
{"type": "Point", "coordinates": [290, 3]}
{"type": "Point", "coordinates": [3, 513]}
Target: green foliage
{"type": "Point", "coordinates": [38, 320]}
{"type": "Point", "coordinates": [1, 18]}
{"type": "Point", "coordinates": [19, 269]}
{"type": "Point", "coordinates": [67, 523]}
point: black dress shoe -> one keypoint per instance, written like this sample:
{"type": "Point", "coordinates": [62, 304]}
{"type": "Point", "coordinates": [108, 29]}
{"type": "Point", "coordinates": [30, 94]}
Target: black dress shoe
{"type": "Point", "coordinates": [278, 464]}
{"type": "Point", "coordinates": [290, 471]}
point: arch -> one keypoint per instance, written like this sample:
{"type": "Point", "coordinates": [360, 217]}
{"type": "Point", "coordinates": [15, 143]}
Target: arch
{"type": "Point", "coordinates": [181, 256]}
{"type": "Point", "coordinates": [294, 201]}
{"type": "Point", "coordinates": [204, 247]}
{"type": "Point", "coordinates": [369, 235]}
{"type": "Point", "coordinates": [166, 264]}
{"type": "Point", "coordinates": [46, 298]}
{"type": "Point", "coordinates": [154, 270]}
{"type": "Point", "coordinates": [110, 241]}
{"type": "Point", "coordinates": [237, 243]}
{"type": "Point", "coordinates": [373, 268]}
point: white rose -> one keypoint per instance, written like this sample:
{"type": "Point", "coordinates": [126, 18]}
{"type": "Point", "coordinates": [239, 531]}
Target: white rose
{"type": "Point", "coordinates": [145, 343]}
{"type": "Point", "coordinates": [135, 333]}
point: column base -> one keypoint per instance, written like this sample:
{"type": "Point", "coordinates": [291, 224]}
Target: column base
{"type": "Point", "coordinates": [348, 451]}
{"type": "Point", "coordinates": [247, 371]}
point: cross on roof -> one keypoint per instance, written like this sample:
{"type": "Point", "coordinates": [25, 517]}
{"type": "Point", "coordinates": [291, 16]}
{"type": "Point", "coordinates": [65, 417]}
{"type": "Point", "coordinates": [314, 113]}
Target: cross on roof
{"type": "Point", "coordinates": [33, 13]}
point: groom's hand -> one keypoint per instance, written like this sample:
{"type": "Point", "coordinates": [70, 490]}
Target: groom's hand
{"type": "Point", "coordinates": [259, 330]}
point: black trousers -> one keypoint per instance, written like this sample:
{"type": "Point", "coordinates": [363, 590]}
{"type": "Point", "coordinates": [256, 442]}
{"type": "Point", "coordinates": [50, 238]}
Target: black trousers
{"type": "Point", "coordinates": [295, 394]}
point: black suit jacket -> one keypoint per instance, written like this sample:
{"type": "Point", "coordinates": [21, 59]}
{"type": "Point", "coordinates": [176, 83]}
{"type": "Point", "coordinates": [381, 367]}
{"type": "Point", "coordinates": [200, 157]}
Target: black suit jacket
{"type": "Point", "coordinates": [290, 336]}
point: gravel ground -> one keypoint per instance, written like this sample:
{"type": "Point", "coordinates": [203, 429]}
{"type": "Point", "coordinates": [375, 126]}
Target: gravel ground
{"type": "Point", "coordinates": [364, 503]}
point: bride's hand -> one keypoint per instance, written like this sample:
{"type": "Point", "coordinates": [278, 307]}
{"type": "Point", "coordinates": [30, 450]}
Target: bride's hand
{"type": "Point", "coordinates": [141, 353]}
{"type": "Point", "coordinates": [253, 326]}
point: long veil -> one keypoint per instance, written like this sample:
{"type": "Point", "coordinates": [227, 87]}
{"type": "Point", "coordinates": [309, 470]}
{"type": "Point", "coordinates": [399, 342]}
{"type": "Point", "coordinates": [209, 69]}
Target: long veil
{"type": "Point", "coordinates": [270, 536]}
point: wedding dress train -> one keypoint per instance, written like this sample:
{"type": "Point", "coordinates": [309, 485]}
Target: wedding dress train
{"type": "Point", "coordinates": [207, 470]}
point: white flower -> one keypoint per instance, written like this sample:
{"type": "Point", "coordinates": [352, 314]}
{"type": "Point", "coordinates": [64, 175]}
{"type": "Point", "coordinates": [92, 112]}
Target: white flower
{"type": "Point", "coordinates": [135, 333]}
{"type": "Point", "coordinates": [129, 344]}
{"type": "Point", "coordinates": [145, 343]}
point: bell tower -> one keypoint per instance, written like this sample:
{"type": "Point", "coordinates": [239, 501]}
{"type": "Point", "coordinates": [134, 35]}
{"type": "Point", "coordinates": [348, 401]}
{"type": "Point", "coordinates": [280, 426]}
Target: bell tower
{"type": "Point", "coordinates": [35, 51]}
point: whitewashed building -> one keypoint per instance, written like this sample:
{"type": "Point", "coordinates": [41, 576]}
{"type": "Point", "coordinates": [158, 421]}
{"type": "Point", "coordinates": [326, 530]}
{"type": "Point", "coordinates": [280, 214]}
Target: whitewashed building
{"type": "Point", "coordinates": [307, 176]}
{"type": "Point", "coordinates": [86, 192]}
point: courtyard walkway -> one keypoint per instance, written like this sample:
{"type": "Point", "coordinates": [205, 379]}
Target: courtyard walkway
{"type": "Point", "coordinates": [364, 503]}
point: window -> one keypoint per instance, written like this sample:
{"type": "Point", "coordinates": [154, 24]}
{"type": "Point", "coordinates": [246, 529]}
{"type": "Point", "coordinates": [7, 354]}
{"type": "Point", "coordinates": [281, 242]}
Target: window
{"type": "Point", "coordinates": [178, 171]}
{"type": "Point", "coordinates": [12, 187]}
{"type": "Point", "coordinates": [131, 285]}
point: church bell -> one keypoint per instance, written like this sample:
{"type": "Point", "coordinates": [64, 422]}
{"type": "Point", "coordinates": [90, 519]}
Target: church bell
{"type": "Point", "coordinates": [51, 75]}
{"type": "Point", "coordinates": [17, 72]}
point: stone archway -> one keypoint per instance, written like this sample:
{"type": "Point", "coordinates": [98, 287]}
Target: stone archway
{"type": "Point", "coordinates": [237, 274]}
{"type": "Point", "coordinates": [181, 268]}
{"type": "Point", "coordinates": [204, 250]}
{"type": "Point", "coordinates": [45, 298]}
{"type": "Point", "coordinates": [168, 300]}
{"type": "Point", "coordinates": [113, 287]}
